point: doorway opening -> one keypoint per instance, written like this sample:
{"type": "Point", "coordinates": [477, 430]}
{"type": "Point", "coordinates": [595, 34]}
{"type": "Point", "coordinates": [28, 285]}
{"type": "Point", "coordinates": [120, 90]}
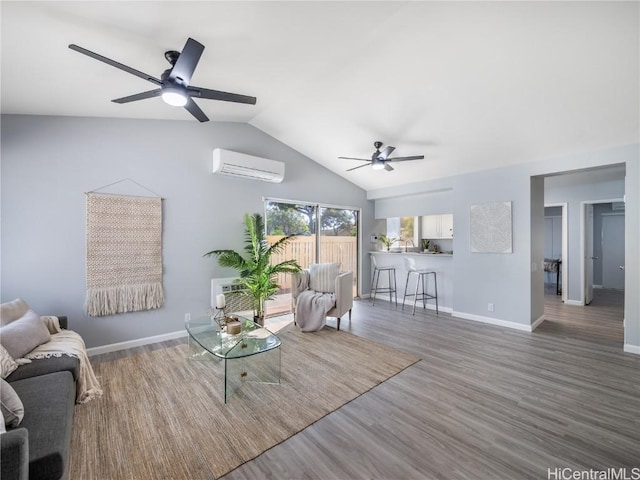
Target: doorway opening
{"type": "Point", "coordinates": [591, 283]}
{"type": "Point", "coordinates": [603, 244]}
{"type": "Point", "coordinates": [556, 258]}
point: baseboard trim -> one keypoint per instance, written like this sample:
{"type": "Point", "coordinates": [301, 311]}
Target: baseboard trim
{"type": "Point", "coordinates": [430, 306]}
{"type": "Point", "coordinates": [632, 348]}
{"type": "Point", "coordinates": [495, 321]}
{"type": "Point", "coordinates": [575, 303]}
{"type": "Point", "coordinates": [114, 347]}
{"type": "Point", "coordinates": [537, 323]}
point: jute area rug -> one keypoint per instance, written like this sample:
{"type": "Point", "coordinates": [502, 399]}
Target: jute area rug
{"type": "Point", "coordinates": [163, 416]}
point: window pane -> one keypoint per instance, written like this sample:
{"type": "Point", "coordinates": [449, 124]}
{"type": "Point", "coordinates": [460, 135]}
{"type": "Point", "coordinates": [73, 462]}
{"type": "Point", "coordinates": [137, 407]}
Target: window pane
{"type": "Point", "coordinates": [406, 228]}
{"type": "Point", "coordinates": [403, 229]}
{"type": "Point", "coordinates": [339, 240]}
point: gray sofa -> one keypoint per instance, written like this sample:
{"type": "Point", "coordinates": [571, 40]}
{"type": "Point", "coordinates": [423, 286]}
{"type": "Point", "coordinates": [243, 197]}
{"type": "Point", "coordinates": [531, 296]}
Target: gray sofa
{"type": "Point", "coordinates": [39, 447]}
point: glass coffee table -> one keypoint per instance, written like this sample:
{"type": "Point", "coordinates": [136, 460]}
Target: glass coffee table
{"type": "Point", "coordinates": [253, 355]}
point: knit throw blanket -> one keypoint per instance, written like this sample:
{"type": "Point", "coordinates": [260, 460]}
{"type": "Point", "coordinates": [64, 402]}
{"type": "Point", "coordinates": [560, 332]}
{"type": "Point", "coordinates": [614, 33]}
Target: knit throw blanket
{"type": "Point", "coordinates": [312, 308]}
{"type": "Point", "coordinates": [67, 342]}
{"type": "Point", "coordinates": [124, 254]}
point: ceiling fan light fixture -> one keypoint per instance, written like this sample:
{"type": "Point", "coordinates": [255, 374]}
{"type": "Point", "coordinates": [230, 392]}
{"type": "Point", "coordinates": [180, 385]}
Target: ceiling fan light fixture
{"type": "Point", "coordinates": [377, 164]}
{"type": "Point", "coordinates": [174, 97]}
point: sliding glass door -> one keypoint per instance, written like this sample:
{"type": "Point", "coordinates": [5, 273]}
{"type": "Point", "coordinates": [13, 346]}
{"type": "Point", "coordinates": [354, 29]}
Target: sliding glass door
{"type": "Point", "coordinates": [323, 234]}
{"type": "Point", "coordinates": [339, 240]}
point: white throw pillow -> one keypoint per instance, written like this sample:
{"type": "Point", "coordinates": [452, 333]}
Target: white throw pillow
{"type": "Point", "coordinates": [323, 277]}
{"type": "Point", "coordinates": [23, 335]}
{"type": "Point", "coordinates": [12, 311]}
{"type": "Point", "coordinates": [7, 363]}
{"type": "Point", "coordinates": [11, 405]}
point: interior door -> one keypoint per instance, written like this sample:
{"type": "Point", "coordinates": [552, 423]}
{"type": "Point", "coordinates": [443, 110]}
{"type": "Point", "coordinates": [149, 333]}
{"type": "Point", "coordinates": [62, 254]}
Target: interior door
{"type": "Point", "coordinates": [588, 256]}
{"type": "Point", "coordinates": [613, 251]}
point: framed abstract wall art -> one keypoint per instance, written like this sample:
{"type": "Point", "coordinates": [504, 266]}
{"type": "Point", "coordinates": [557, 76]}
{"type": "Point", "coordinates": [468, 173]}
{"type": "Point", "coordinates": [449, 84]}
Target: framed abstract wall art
{"type": "Point", "coordinates": [491, 228]}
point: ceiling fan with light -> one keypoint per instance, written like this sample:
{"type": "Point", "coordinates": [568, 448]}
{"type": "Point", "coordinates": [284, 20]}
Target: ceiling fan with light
{"type": "Point", "coordinates": [380, 159]}
{"type": "Point", "coordinates": [174, 82]}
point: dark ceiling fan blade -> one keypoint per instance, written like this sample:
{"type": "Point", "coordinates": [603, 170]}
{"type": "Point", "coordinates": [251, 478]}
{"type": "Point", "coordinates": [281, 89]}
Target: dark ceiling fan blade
{"type": "Point", "coordinates": [139, 96]}
{"type": "Point", "coordinates": [402, 159]}
{"type": "Point", "coordinates": [386, 152]}
{"type": "Point", "coordinates": [187, 62]}
{"type": "Point", "coordinates": [359, 166]}
{"type": "Point", "coordinates": [113, 63]}
{"type": "Point", "coordinates": [194, 110]}
{"type": "Point", "coordinates": [353, 158]}
{"type": "Point", "coordinates": [198, 92]}
{"type": "Point", "coordinates": [388, 167]}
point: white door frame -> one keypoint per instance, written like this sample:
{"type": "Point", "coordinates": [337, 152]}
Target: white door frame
{"type": "Point", "coordinates": [583, 212]}
{"type": "Point", "coordinates": [564, 269]}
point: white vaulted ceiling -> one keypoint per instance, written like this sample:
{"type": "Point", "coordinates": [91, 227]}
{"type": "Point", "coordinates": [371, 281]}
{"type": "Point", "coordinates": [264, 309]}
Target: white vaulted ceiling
{"type": "Point", "coordinates": [471, 85]}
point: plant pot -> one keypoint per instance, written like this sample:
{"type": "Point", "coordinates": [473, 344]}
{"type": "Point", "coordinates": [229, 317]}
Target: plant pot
{"type": "Point", "coordinates": [259, 320]}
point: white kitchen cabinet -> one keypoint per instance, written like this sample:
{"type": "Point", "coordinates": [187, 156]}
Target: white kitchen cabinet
{"type": "Point", "coordinates": [446, 225]}
{"type": "Point", "coordinates": [437, 226]}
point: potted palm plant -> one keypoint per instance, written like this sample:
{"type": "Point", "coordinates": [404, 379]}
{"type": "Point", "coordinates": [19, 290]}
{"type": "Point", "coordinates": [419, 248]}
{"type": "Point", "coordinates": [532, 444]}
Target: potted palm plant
{"type": "Point", "coordinates": [387, 241]}
{"type": "Point", "coordinates": [257, 273]}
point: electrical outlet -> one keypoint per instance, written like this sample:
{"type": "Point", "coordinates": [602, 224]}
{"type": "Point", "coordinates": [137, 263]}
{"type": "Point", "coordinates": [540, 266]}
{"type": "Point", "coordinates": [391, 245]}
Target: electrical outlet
{"type": "Point", "coordinates": [373, 239]}
{"type": "Point", "coordinates": [490, 307]}
{"type": "Point", "coordinates": [187, 317]}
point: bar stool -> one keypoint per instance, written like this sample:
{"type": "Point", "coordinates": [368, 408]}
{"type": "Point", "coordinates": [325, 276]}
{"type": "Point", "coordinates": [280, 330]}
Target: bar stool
{"type": "Point", "coordinates": [393, 290]}
{"type": "Point", "coordinates": [422, 275]}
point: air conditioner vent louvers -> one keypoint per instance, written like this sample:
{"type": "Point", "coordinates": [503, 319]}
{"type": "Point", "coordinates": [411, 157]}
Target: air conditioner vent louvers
{"type": "Point", "coordinates": [235, 300]}
{"type": "Point", "coordinates": [236, 164]}
{"type": "Point", "coordinates": [240, 170]}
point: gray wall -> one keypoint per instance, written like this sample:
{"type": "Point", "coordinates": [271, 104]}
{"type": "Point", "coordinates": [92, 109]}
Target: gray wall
{"type": "Point", "coordinates": [632, 254]}
{"type": "Point", "coordinates": [510, 280]}
{"type": "Point", "coordinates": [48, 163]}
{"type": "Point", "coordinates": [537, 248]}
{"type": "Point", "coordinates": [429, 203]}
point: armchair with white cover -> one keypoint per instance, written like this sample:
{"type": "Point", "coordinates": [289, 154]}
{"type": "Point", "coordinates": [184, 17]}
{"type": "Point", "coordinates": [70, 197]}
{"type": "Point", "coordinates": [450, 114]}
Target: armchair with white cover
{"type": "Point", "coordinates": [319, 292]}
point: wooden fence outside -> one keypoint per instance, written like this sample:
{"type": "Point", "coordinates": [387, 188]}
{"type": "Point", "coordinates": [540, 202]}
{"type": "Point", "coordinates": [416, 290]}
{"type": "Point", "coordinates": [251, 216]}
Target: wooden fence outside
{"type": "Point", "coordinates": [342, 250]}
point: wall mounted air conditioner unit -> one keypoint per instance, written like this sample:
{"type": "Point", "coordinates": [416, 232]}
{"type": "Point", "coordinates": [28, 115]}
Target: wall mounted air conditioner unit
{"type": "Point", "coordinates": [235, 302]}
{"type": "Point", "coordinates": [241, 165]}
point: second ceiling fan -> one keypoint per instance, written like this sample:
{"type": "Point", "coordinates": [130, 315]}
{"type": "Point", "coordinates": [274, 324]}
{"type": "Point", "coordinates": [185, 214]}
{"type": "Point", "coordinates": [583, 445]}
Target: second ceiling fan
{"type": "Point", "coordinates": [380, 159]}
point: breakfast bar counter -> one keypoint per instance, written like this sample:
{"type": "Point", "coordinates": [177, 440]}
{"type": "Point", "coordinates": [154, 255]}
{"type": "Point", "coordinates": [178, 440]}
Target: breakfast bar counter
{"type": "Point", "coordinates": [441, 263]}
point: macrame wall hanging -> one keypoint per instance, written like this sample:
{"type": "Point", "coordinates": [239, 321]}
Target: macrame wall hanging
{"type": "Point", "coordinates": [124, 253]}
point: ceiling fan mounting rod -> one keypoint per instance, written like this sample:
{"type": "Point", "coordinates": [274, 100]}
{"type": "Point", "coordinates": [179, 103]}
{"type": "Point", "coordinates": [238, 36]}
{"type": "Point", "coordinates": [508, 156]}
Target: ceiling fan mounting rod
{"type": "Point", "coordinates": [172, 56]}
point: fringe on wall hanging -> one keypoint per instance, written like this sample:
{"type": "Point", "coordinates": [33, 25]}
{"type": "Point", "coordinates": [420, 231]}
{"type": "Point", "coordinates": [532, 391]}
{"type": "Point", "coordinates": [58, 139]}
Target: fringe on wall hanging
{"type": "Point", "coordinates": [124, 254]}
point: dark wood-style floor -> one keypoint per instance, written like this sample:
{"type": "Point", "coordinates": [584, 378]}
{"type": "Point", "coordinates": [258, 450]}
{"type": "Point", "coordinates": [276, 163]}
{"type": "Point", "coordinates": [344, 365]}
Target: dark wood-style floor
{"type": "Point", "coordinates": [483, 403]}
